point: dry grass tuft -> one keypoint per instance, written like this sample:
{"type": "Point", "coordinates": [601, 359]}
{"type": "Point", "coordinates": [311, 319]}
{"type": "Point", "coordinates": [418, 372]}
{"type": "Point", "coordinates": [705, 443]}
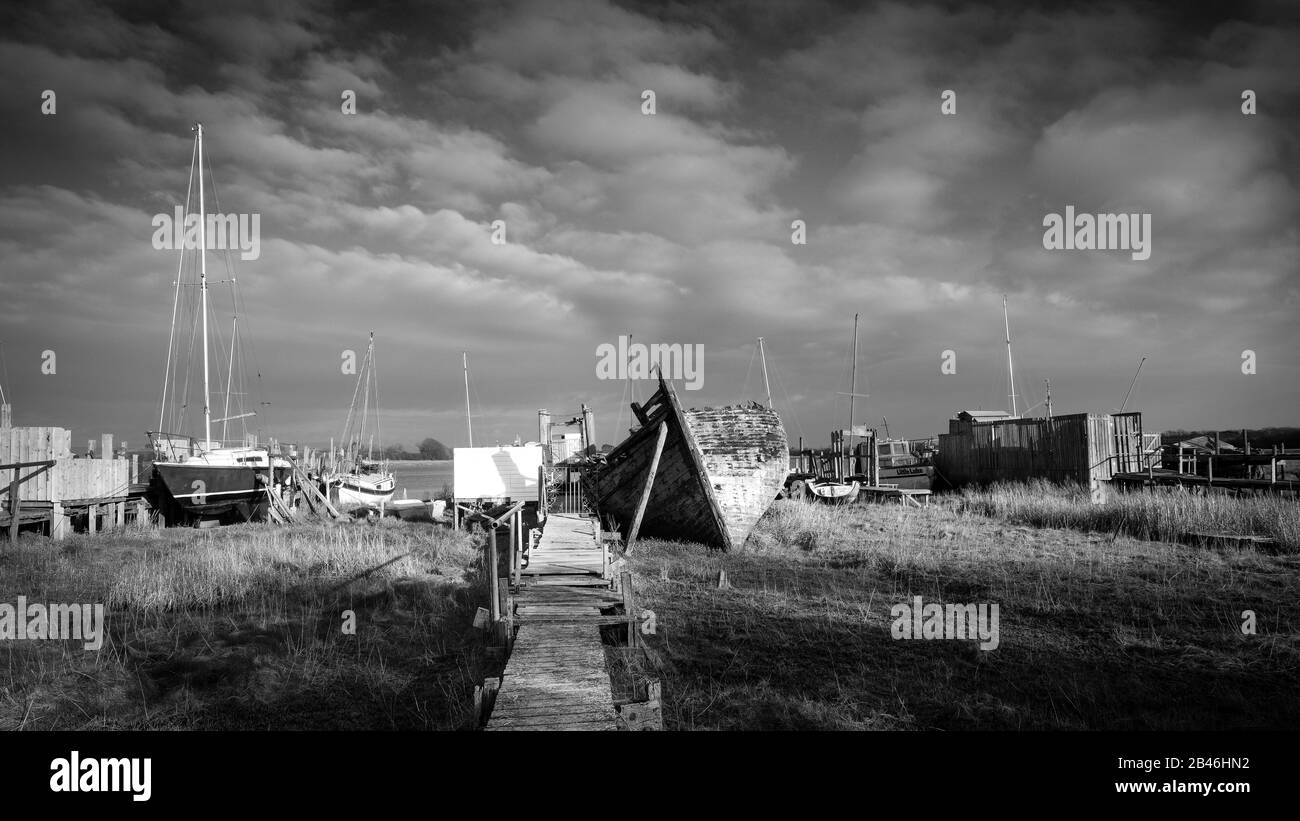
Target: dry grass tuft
{"type": "Point", "coordinates": [241, 628]}
{"type": "Point", "coordinates": [1098, 630]}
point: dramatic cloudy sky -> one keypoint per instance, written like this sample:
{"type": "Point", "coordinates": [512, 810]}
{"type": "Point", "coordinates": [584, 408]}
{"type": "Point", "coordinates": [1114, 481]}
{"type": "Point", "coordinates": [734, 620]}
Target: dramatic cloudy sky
{"type": "Point", "coordinates": [674, 227]}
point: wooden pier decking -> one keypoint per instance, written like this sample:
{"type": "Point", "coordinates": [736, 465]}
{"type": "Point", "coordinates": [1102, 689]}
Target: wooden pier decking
{"type": "Point", "coordinates": [556, 677]}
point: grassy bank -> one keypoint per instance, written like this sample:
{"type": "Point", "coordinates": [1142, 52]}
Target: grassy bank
{"type": "Point", "coordinates": [1163, 515]}
{"type": "Point", "coordinates": [1097, 630]}
{"type": "Point", "coordinates": [242, 628]}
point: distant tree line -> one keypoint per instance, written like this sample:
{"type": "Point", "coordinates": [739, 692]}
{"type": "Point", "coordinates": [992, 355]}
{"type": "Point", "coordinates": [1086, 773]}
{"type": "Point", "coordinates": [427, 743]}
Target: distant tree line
{"type": "Point", "coordinates": [429, 449]}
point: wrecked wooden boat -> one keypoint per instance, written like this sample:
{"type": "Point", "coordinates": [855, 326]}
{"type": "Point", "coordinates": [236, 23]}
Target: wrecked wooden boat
{"type": "Point", "coordinates": [703, 475]}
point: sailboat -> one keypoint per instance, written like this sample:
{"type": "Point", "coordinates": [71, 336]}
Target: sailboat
{"type": "Point", "coordinates": [206, 479]}
{"type": "Point", "coordinates": [841, 489]}
{"type": "Point", "coordinates": [896, 465]}
{"type": "Point", "coordinates": [359, 480]}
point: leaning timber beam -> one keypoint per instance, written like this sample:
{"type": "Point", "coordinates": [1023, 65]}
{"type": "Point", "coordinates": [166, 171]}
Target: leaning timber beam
{"type": "Point", "coordinates": [649, 483]}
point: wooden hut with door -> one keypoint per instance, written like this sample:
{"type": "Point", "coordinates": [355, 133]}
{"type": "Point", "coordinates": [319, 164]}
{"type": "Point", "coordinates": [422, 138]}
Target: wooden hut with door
{"type": "Point", "coordinates": [1082, 447]}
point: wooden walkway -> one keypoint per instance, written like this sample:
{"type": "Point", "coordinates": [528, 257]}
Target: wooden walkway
{"type": "Point", "coordinates": [556, 677]}
{"type": "Point", "coordinates": [568, 548]}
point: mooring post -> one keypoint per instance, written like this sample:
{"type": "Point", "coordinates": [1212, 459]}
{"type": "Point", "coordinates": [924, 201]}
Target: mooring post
{"type": "Point", "coordinates": [492, 575]}
{"type": "Point", "coordinates": [514, 547]}
{"type": "Point", "coordinates": [58, 522]}
{"type": "Point", "coordinates": [629, 607]}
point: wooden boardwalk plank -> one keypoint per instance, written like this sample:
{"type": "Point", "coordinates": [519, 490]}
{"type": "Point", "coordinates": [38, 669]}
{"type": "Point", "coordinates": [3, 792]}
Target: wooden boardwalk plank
{"type": "Point", "coordinates": [556, 677]}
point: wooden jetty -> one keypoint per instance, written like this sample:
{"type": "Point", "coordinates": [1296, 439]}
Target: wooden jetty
{"type": "Point", "coordinates": [1155, 477]}
{"type": "Point", "coordinates": [556, 678]}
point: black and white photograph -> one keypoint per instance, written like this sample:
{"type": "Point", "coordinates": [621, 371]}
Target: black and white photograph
{"type": "Point", "coordinates": [914, 371]}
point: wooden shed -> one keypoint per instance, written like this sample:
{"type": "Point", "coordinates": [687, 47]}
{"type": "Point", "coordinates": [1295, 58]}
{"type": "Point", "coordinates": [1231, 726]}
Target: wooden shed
{"type": "Point", "coordinates": [1080, 447]}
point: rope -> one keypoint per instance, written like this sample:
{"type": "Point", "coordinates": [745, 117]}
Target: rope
{"type": "Point", "coordinates": [788, 403]}
{"type": "Point", "coordinates": [744, 390]}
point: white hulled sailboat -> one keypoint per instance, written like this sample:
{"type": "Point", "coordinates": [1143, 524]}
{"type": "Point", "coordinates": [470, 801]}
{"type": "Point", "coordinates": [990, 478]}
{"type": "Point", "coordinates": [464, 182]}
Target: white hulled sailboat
{"type": "Point", "coordinates": [357, 479]}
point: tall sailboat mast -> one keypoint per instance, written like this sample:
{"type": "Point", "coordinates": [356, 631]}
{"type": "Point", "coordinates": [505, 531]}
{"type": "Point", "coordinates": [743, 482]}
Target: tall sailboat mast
{"type": "Point", "coordinates": [1011, 374]}
{"type": "Point", "coordinates": [203, 291]}
{"type": "Point", "coordinates": [854, 378]}
{"type": "Point", "coordinates": [762, 355]}
{"type": "Point", "coordinates": [469, 424]}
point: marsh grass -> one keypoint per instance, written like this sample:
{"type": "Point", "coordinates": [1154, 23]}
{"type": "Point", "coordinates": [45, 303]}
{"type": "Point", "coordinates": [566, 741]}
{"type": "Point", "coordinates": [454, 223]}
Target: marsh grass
{"type": "Point", "coordinates": [1098, 630]}
{"type": "Point", "coordinates": [242, 628]}
{"type": "Point", "coordinates": [1162, 514]}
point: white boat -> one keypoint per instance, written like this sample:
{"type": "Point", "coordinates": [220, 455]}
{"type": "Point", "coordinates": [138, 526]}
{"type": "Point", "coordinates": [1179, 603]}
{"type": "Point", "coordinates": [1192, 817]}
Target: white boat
{"type": "Point", "coordinates": [363, 488]}
{"type": "Point", "coordinates": [354, 479]}
{"type": "Point", "coordinates": [833, 492]}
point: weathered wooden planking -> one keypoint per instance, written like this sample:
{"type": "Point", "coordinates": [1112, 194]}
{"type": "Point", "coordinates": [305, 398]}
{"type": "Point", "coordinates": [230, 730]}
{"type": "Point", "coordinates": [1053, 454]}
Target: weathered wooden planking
{"type": "Point", "coordinates": [1079, 447]}
{"type": "Point", "coordinates": [567, 547]}
{"type": "Point", "coordinates": [555, 680]}
{"type": "Point", "coordinates": [70, 478]}
{"type": "Point", "coordinates": [556, 677]}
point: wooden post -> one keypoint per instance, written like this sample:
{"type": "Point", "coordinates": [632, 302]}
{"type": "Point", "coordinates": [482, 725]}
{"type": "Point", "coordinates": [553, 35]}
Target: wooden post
{"type": "Point", "coordinates": [604, 558]}
{"type": "Point", "coordinates": [13, 508]}
{"type": "Point", "coordinates": [504, 626]}
{"type": "Point", "coordinates": [6, 416]}
{"type": "Point", "coordinates": [58, 523]}
{"type": "Point", "coordinates": [106, 446]}
{"type": "Point", "coordinates": [92, 518]}
{"type": "Point", "coordinates": [645, 492]}
{"type": "Point", "coordinates": [544, 434]}
{"type": "Point", "coordinates": [514, 547]}
{"type": "Point", "coordinates": [135, 468]}
{"type": "Point", "coordinates": [541, 487]}
{"type": "Point", "coordinates": [492, 574]}
{"type": "Point", "coordinates": [629, 607]}
{"type": "Point", "coordinates": [588, 431]}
